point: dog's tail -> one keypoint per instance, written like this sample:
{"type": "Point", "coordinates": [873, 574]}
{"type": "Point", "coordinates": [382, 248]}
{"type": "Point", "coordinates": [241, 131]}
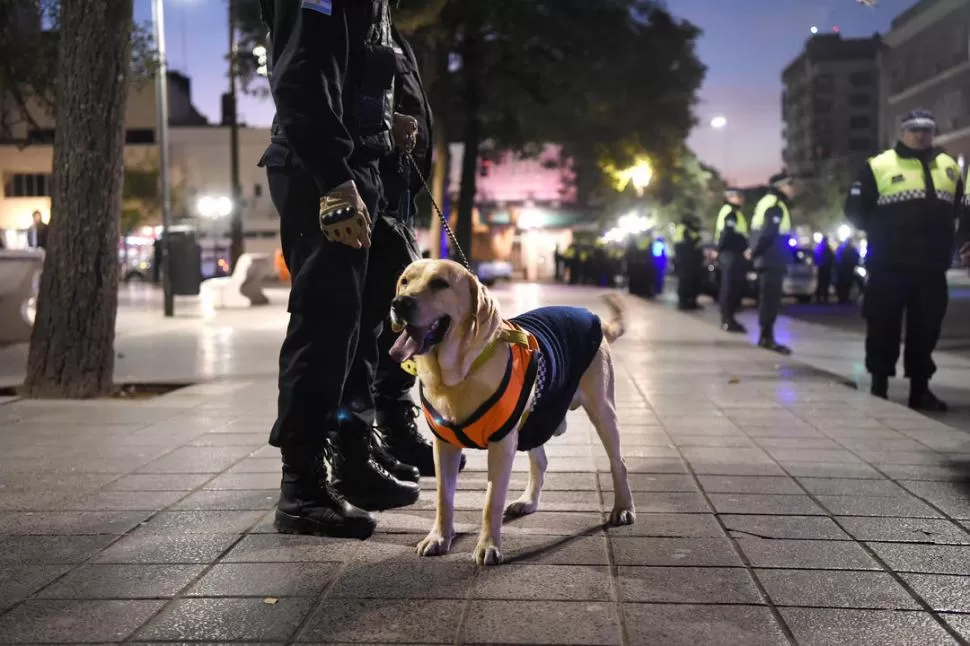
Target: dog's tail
{"type": "Point", "coordinates": [615, 327]}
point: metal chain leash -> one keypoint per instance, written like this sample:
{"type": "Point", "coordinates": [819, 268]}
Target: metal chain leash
{"type": "Point", "coordinates": [441, 216]}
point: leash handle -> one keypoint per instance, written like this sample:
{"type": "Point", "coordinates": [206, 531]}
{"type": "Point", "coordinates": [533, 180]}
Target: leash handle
{"type": "Point", "coordinates": [441, 216]}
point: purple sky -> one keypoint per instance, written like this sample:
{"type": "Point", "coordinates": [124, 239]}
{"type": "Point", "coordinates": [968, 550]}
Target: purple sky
{"type": "Point", "coordinates": [746, 44]}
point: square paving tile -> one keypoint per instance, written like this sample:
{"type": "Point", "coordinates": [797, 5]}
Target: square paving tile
{"type": "Point", "coordinates": [734, 503]}
{"type": "Point", "coordinates": [71, 622]}
{"type": "Point", "coordinates": [191, 459]}
{"type": "Point", "coordinates": [552, 523]}
{"type": "Point", "coordinates": [821, 555]}
{"type": "Point", "coordinates": [122, 581]}
{"type": "Point", "coordinates": [552, 550]}
{"type": "Point", "coordinates": [893, 506]}
{"type": "Point", "coordinates": [124, 501]}
{"type": "Point", "coordinates": [229, 500]}
{"type": "Point", "coordinates": [19, 581]}
{"type": "Point", "coordinates": [864, 627]}
{"type": "Point", "coordinates": [832, 470]}
{"type": "Point", "coordinates": [688, 585]}
{"type": "Point", "coordinates": [674, 551]}
{"type": "Point", "coordinates": [246, 481]}
{"type": "Point", "coordinates": [158, 482]}
{"type": "Point", "coordinates": [541, 622]}
{"type": "Point", "coordinates": [795, 527]}
{"type": "Point", "coordinates": [750, 485]}
{"type": "Point", "coordinates": [665, 502]}
{"type": "Point", "coordinates": [928, 559]}
{"type": "Point", "coordinates": [671, 482]}
{"type": "Point", "coordinates": [905, 530]}
{"type": "Point", "coordinates": [383, 621]}
{"type": "Point", "coordinates": [852, 487]}
{"type": "Point", "coordinates": [725, 468]}
{"type": "Point", "coordinates": [202, 522]}
{"type": "Point", "coordinates": [148, 547]}
{"type": "Point", "coordinates": [50, 549]}
{"type": "Point", "coordinates": [292, 548]}
{"type": "Point", "coordinates": [545, 583]}
{"type": "Point", "coordinates": [265, 580]}
{"type": "Point", "coordinates": [960, 623]}
{"type": "Point", "coordinates": [671, 525]}
{"type": "Point", "coordinates": [690, 625]}
{"type": "Point", "coordinates": [74, 523]}
{"type": "Point", "coordinates": [412, 577]}
{"type": "Point", "coordinates": [943, 593]}
{"type": "Point", "coordinates": [828, 588]}
{"type": "Point", "coordinates": [228, 620]}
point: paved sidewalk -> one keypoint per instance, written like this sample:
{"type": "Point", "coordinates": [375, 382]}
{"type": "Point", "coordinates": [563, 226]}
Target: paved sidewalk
{"type": "Point", "coordinates": [775, 506]}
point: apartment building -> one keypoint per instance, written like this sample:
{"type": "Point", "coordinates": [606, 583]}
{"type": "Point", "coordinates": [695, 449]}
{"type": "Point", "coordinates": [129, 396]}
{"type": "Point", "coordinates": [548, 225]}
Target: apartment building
{"type": "Point", "coordinates": [830, 103]}
{"type": "Point", "coordinates": [199, 156]}
{"type": "Point", "coordinates": [926, 64]}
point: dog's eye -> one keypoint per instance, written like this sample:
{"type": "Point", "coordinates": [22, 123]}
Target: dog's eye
{"type": "Point", "coordinates": [404, 282]}
{"type": "Point", "coordinates": [438, 283]}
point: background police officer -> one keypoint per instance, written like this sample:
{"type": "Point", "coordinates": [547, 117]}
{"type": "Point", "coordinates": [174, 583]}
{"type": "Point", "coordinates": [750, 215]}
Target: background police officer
{"type": "Point", "coordinates": [771, 228]}
{"type": "Point", "coordinates": [907, 201]}
{"type": "Point", "coordinates": [731, 238]}
{"type": "Point", "coordinates": [688, 257]}
{"type": "Point", "coordinates": [332, 126]}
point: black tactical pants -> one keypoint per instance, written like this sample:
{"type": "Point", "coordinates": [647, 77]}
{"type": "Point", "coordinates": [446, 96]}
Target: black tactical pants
{"type": "Point", "coordinates": [731, 289]}
{"type": "Point", "coordinates": [770, 286]}
{"type": "Point", "coordinates": [923, 298]}
{"type": "Point", "coordinates": [335, 310]}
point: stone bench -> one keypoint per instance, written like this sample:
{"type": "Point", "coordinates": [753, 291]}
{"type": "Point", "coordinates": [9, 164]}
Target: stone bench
{"type": "Point", "coordinates": [244, 288]}
{"type": "Point", "coordinates": [19, 282]}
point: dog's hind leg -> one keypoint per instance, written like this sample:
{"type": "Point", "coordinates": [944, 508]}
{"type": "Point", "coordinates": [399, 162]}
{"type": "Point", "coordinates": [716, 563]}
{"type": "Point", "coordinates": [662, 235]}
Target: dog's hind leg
{"type": "Point", "coordinates": [597, 398]}
{"type": "Point", "coordinates": [528, 502]}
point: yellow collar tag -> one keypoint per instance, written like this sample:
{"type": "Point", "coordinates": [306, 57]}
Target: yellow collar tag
{"type": "Point", "coordinates": [514, 337]}
{"type": "Point", "coordinates": [410, 367]}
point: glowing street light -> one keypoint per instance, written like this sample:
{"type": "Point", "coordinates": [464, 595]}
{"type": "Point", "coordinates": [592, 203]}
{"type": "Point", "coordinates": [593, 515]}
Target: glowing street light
{"type": "Point", "coordinates": [844, 232]}
{"type": "Point", "coordinates": [813, 29]}
{"type": "Point", "coordinates": [212, 208]}
{"type": "Point", "coordinates": [718, 122]}
{"type": "Point", "coordinates": [259, 53]}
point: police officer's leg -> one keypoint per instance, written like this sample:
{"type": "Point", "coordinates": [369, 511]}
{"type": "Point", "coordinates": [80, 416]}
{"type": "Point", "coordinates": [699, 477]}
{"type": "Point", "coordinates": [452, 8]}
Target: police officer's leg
{"type": "Point", "coordinates": [365, 481]}
{"type": "Point", "coordinates": [729, 292]}
{"type": "Point", "coordinates": [769, 305]}
{"type": "Point", "coordinates": [314, 357]}
{"type": "Point", "coordinates": [882, 307]}
{"type": "Point", "coordinates": [925, 310]}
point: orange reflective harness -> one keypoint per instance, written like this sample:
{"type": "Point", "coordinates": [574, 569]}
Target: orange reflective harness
{"type": "Point", "coordinates": [506, 408]}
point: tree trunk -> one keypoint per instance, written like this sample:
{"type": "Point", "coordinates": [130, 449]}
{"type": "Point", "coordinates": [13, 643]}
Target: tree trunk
{"type": "Point", "coordinates": [439, 185]}
{"type": "Point", "coordinates": [72, 344]}
{"type": "Point", "coordinates": [471, 64]}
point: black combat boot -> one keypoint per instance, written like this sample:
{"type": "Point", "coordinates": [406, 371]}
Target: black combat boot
{"type": "Point", "coordinates": [767, 341]}
{"type": "Point", "coordinates": [397, 425]}
{"type": "Point", "coordinates": [401, 471]}
{"type": "Point", "coordinates": [880, 386]}
{"type": "Point", "coordinates": [922, 398]}
{"type": "Point", "coordinates": [734, 326]}
{"type": "Point", "coordinates": [309, 503]}
{"type": "Point", "coordinates": [361, 479]}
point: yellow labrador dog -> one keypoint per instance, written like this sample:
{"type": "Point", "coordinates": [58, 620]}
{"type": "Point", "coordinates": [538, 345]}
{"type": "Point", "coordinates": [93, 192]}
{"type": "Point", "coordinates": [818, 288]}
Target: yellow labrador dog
{"type": "Point", "coordinates": [502, 385]}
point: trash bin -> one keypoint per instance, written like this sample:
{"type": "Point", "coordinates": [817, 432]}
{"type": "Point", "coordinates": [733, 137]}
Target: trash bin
{"type": "Point", "coordinates": [184, 263]}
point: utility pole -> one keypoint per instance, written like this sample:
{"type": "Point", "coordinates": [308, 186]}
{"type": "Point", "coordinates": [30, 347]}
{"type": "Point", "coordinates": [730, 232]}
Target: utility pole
{"type": "Point", "coordinates": [161, 116]}
{"type": "Point", "coordinates": [235, 218]}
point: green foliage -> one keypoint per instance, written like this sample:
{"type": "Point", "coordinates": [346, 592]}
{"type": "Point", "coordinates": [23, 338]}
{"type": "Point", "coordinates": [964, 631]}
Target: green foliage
{"type": "Point", "coordinates": [820, 199]}
{"type": "Point", "coordinates": [28, 59]}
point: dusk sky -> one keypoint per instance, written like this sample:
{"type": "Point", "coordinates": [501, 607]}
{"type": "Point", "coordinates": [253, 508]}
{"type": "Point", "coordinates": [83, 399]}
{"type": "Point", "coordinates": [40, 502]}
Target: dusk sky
{"type": "Point", "coordinates": [746, 44]}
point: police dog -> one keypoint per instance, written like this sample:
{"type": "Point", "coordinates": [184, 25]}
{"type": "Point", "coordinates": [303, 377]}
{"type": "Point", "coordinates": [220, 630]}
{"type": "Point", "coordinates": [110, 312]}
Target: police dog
{"type": "Point", "coordinates": [470, 363]}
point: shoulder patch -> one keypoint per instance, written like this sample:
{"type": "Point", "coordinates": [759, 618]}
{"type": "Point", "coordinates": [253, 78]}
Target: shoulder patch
{"type": "Point", "coordinates": [324, 7]}
{"type": "Point", "coordinates": [897, 179]}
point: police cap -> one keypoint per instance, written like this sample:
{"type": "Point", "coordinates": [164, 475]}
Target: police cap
{"type": "Point", "coordinates": [919, 120]}
{"type": "Point", "coordinates": [731, 191]}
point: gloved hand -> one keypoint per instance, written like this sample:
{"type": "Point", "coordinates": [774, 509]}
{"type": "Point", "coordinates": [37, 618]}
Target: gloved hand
{"type": "Point", "coordinates": [344, 217]}
{"type": "Point", "coordinates": [405, 132]}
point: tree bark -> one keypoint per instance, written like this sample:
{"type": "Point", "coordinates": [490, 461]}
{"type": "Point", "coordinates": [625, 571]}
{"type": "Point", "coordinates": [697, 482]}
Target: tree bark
{"type": "Point", "coordinates": [471, 139]}
{"type": "Point", "coordinates": [72, 345]}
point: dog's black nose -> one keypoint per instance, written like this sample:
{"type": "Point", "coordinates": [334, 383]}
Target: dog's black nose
{"type": "Point", "coordinates": [404, 306]}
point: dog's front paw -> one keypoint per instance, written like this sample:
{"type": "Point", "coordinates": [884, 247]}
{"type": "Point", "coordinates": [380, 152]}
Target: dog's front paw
{"type": "Point", "coordinates": [487, 553]}
{"type": "Point", "coordinates": [623, 516]}
{"type": "Point", "coordinates": [435, 544]}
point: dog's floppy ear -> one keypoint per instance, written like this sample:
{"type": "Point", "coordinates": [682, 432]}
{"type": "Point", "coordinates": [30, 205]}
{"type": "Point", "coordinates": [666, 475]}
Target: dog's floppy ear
{"type": "Point", "coordinates": [483, 308]}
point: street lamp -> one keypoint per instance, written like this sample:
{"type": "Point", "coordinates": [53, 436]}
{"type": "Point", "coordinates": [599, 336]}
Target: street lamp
{"type": "Point", "coordinates": [720, 123]}
{"type": "Point", "coordinates": [212, 208]}
{"type": "Point", "coordinates": [161, 116]}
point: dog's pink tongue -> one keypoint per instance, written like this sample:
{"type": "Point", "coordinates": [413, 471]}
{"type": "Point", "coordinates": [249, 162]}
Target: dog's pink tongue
{"type": "Point", "coordinates": [405, 347]}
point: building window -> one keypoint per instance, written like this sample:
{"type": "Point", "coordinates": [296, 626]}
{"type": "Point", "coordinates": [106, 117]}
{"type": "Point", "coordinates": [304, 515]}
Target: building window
{"type": "Point", "coordinates": [858, 100]}
{"type": "Point", "coordinates": [859, 144]}
{"type": "Point", "coordinates": [856, 123]}
{"type": "Point", "coordinates": [143, 136]}
{"type": "Point", "coordinates": [860, 79]}
{"type": "Point", "coordinates": [27, 185]}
